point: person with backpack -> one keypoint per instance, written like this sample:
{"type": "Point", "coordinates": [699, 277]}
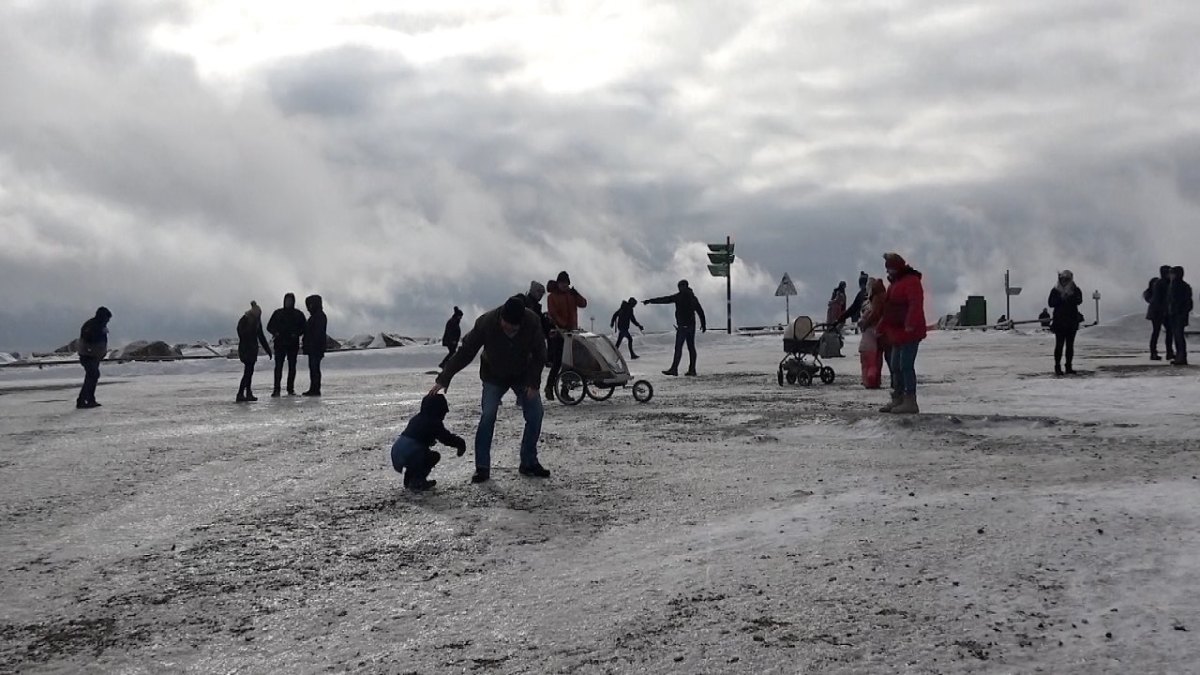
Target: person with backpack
{"type": "Point", "coordinates": [93, 347]}
{"type": "Point", "coordinates": [250, 336]}
{"type": "Point", "coordinates": [286, 326]}
{"type": "Point", "coordinates": [1155, 296]}
{"type": "Point", "coordinates": [687, 308]}
{"type": "Point", "coordinates": [621, 320]}
{"type": "Point", "coordinates": [316, 340]}
{"type": "Point", "coordinates": [1065, 299]}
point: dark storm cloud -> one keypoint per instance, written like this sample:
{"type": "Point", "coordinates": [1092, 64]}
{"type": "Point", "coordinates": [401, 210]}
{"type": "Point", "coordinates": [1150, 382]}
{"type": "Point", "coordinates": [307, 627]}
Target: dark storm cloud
{"type": "Point", "coordinates": [972, 137]}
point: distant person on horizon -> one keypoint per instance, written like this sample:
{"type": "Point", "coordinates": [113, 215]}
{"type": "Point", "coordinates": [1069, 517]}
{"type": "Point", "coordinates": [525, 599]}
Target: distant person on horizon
{"type": "Point", "coordinates": [1065, 299]}
{"type": "Point", "coordinates": [1179, 306]}
{"type": "Point", "coordinates": [563, 306]}
{"type": "Point", "coordinates": [286, 327]}
{"type": "Point", "coordinates": [451, 335]}
{"type": "Point", "coordinates": [514, 354]}
{"type": "Point", "coordinates": [903, 328]}
{"type": "Point", "coordinates": [1155, 296]}
{"type": "Point", "coordinates": [687, 308]}
{"type": "Point", "coordinates": [855, 310]}
{"type": "Point", "coordinates": [1045, 318]}
{"type": "Point", "coordinates": [621, 321]}
{"type": "Point", "coordinates": [250, 335]}
{"type": "Point", "coordinates": [316, 339]}
{"type": "Point", "coordinates": [93, 347]}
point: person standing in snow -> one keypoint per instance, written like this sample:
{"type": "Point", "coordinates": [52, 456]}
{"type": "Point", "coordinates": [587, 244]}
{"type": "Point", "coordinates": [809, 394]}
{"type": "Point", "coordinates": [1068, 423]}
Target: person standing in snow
{"type": "Point", "coordinates": [871, 348]}
{"type": "Point", "coordinates": [563, 306]}
{"type": "Point", "coordinates": [93, 347]}
{"type": "Point", "coordinates": [286, 327]}
{"type": "Point", "coordinates": [687, 308]}
{"type": "Point", "coordinates": [855, 310]}
{"type": "Point", "coordinates": [1155, 296]}
{"type": "Point", "coordinates": [514, 354]}
{"type": "Point", "coordinates": [250, 335]}
{"type": "Point", "coordinates": [902, 326]}
{"type": "Point", "coordinates": [451, 335]}
{"type": "Point", "coordinates": [1065, 299]}
{"type": "Point", "coordinates": [1045, 318]}
{"type": "Point", "coordinates": [1179, 306]}
{"type": "Point", "coordinates": [837, 305]}
{"type": "Point", "coordinates": [621, 321]}
{"type": "Point", "coordinates": [315, 342]}
{"type": "Point", "coordinates": [533, 302]}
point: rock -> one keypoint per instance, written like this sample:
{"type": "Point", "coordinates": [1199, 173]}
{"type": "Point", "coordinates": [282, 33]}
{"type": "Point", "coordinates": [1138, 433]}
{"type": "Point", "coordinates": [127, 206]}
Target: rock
{"type": "Point", "coordinates": [144, 350]}
{"type": "Point", "coordinates": [69, 348]}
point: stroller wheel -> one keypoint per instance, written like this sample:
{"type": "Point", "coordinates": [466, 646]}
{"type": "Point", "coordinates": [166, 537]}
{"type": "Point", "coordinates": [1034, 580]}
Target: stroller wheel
{"type": "Point", "coordinates": [570, 388]}
{"type": "Point", "coordinates": [827, 375]}
{"type": "Point", "coordinates": [804, 378]}
{"type": "Point", "coordinates": [643, 391]}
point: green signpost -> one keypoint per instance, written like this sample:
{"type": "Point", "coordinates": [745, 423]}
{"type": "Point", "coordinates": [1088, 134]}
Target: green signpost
{"type": "Point", "coordinates": [720, 260]}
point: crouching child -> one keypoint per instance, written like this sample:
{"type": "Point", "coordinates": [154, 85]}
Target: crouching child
{"type": "Point", "coordinates": [413, 450]}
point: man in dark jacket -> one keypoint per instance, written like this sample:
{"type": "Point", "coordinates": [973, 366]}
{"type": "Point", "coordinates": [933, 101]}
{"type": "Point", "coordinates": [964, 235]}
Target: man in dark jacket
{"type": "Point", "coordinates": [286, 327]}
{"type": "Point", "coordinates": [1156, 297]}
{"type": "Point", "coordinates": [1179, 306]}
{"type": "Point", "coordinates": [514, 354]}
{"type": "Point", "coordinates": [315, 341]}
{"type": "Point", "coordinates": [687, 308]}
{"type": "Point", "coordinates": [621, 321]}
{"type": "Point", "coordinates": [250, 335]}
{"type": "Point", "coordinates": [854, 311]}
{"type": "Point", "coordinates": [93, 347]}
{"type": "Point", "coordinates": [451, 335]}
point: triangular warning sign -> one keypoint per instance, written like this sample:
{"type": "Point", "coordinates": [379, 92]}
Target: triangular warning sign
{"type": "Point", "coordinates": [786, 287]}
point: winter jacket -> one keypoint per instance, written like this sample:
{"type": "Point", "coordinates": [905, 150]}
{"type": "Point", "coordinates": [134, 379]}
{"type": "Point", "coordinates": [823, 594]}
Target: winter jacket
{"type": "Point", "coordinates": [428, 426]}
{"type": "Point", "coordinates": [250, 335]}
{"type": "Point", "coordinates": [287, 327]}
{"type": "Point", "coordinates": [837, 306]}
{"type": "Point", "coordinates": [93, 336]}
{"type": "Point", "coordinates": [902, 321]}
{"type": "Point", "coordinates": [623, 317]}
{"type": "Point", "coordinates": [1179, 299]}
{"type": "Point", "coordinates": [1156, 298]}
{"type": "Point", "coordinates": [509, 362]}
{"type": "Point", "coordinates": [854, 311]}
{"type": "Point", "coordinates": [453, 332]}
{"type": "Point", "coordinates": [315, 329]}
{"type": "Point", "coordinates": [872, 314]}
{"type": "Point", "coordinates": [1064, 307]}
{"type": "Point", "coordinates": [564, 306]}
{"type": "Point", "coordinates": [687, 307]}
{"type": "Point", "coordinates": [535, 306]}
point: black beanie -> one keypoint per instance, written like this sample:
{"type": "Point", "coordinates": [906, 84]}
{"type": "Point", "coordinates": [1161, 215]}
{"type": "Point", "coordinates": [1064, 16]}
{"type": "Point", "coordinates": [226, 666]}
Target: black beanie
{"type": "Point", "coordinates": [513, 311]}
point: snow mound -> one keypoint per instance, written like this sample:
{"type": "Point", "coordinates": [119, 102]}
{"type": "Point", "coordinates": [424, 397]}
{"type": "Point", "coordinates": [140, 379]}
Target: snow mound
{"type": "Point", "coordinates": [1128, 328]}
{"type": "Point", "coordinates": [142, 349]}
{"type": "Point", "coordinates": [71, 347]}
{"type": "Point", "coordinates": [5, 357]}
{"type": "Point", "coordinates": [378, 341]}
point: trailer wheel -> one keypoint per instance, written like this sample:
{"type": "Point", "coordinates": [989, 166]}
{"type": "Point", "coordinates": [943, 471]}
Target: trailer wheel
{"type": "Point", "coordinates": [599, 393]}
{"type": "Point", "coordinates": [643, 391]}
{"type": "Point", "coordinates": [571, 388]}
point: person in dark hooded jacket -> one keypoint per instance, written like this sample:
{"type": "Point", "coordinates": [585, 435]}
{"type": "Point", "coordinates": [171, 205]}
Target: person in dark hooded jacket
{"type": "Point", "coordinates": [452, 335]}
{"type": "Point", "coordinates": [1065, 299]}
{"type": "Point", "coordinates": [286, 327]}
{"type": "Point", "coordinates": [855, 310]}
{"type": "Point", "coordinates": [250, 335]}
{"type": "Point", "coordinates": [1179, 306]}
{"type": "Point", "coordinates": [1155, 296]}
{"type": "Point", "coordinates": [93, 347]}
{"type": "Point", "coordinates": [413, 450]}
{"type": "Point", "coordinates": [316, 339]}
{"type": "Point", "coordinates": [621, 320]}
{"type": "Point", "coordinates": [687, 308]}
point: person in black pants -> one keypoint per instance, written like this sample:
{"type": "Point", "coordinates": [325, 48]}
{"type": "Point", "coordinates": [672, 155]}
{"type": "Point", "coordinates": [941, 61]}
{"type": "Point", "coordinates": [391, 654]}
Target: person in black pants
{"type": "Point", "coordinates": [687, 307]}
{"type": "Point", "coordinates": [1156, 297]}
{"type": "Point", "coordinates": [286, 326]}
{"type": "Point", "coordinates": [1179, 306]}
{"type": "Point", "coordinates": [452, 335]}
{"type": "Point", "coordinates": [315, 342]}
{"type": "Point", "coordinates": [250, 335]}
{"type": "Point", "coordinates": [1064, 301]}
{"type": "Point", "coordinates": [93, 347]}
{"type": "Point", "coordinates": [621, 321]}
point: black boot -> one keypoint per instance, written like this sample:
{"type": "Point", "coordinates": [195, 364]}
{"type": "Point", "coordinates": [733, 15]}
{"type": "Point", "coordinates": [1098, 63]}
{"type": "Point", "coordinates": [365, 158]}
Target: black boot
{"type": "Point", "coordinates": [275, 392]}
{"type": "Point", "coordinates": [535, 469]}
{"type": "Point", "coordinates": [1058, 371]}
{"type": "Point", "coordinates": [481, 475]}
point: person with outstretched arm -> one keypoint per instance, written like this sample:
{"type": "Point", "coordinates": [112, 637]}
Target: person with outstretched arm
{"type": "Point", "coordinates": [514, 354]}
{"type": "Point", "coordinates": [621, 320]}
{"type": "Point", "coordinates": [687, 309]}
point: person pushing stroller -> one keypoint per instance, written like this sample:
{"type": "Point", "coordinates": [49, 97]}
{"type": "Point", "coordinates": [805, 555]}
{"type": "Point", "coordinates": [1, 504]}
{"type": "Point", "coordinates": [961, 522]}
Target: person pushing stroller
{"type": "Point", "coordinates": [413, 450]}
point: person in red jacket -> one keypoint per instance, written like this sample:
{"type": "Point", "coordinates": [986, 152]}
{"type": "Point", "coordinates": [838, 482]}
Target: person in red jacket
{"type": "Point", "coordinates": [902, 328]}
{"type": "Point", "coordinates": [563, 307]}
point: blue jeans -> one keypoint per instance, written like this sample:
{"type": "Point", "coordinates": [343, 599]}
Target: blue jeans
{"type": "Point", "coordinates": [531, 406]}
{"type": "Point", "coordinates": [904, 368]}
{"type": "Point", "coordinates": [685, 335]}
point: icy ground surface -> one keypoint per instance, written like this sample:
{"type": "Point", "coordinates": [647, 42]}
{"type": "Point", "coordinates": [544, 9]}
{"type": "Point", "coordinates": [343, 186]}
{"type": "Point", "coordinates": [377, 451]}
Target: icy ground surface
{"type": "Point", "coordinates": [1022, 524]}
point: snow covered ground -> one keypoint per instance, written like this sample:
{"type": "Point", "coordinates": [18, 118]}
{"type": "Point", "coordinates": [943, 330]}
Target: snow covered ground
{"type": "Point", "coordinates": [1022, 524]}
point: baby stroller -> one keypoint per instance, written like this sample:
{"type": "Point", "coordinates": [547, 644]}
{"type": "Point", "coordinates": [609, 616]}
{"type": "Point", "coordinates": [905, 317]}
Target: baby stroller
{"type": "Point", "coordinates": [593, 367]}
{"type": "Point", "coordinates": [803, 360]}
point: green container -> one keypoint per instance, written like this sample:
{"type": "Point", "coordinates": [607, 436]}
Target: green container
{"type": "Point", "coordinates": [974, 313]}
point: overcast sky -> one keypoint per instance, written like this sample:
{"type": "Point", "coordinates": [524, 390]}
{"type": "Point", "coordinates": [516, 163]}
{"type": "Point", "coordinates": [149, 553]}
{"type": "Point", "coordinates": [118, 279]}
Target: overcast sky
{"type": "Point", "coordinates": [174, 160]}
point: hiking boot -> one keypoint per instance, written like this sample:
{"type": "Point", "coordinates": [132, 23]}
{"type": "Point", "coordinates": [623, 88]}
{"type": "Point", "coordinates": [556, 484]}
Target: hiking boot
{"type": "Point", "coordinates": [672, 372]}
{"type": "Point", "coordinates": [311, 393]}
{"type": "Point", "coordinates": [241, 398]}
{"type": "Point", "coordinates": [251, 397]}
{"type": "Point", "coordinates": [549, 392]}
{"type": "Point", "coordinates": [81, 405]}
{"type": "Point", "coordinates": [890, 407]}
{"type": "Point", "coordinates": [421, 485]}
{"type": "Point", "coordinates": [481, 475]}
{"type": "Point", "coordinates": [291, 392]}
{"type": "Point", "coordinates": [1069, 370]}
{"type": "Point", "coordinates": [1179, 362]}
{"type": "Point", "coordinates": [1155, 357]}
{"type": "Point", "coordinates": [908, 406]}
{"type": "Point", "coordinates": [1058, 371]}
{"type": "Point", "coordinates": [275, 394]}
{"type": "Point", "coordinates": [536, 470]}
{"type": "Point", "coordinates": [690, 373]}
{"type": "Point", "coordinates": [634, 357]}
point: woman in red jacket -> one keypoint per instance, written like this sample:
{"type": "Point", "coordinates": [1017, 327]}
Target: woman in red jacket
{"type": "Point", "coordinates": [902, 328]}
